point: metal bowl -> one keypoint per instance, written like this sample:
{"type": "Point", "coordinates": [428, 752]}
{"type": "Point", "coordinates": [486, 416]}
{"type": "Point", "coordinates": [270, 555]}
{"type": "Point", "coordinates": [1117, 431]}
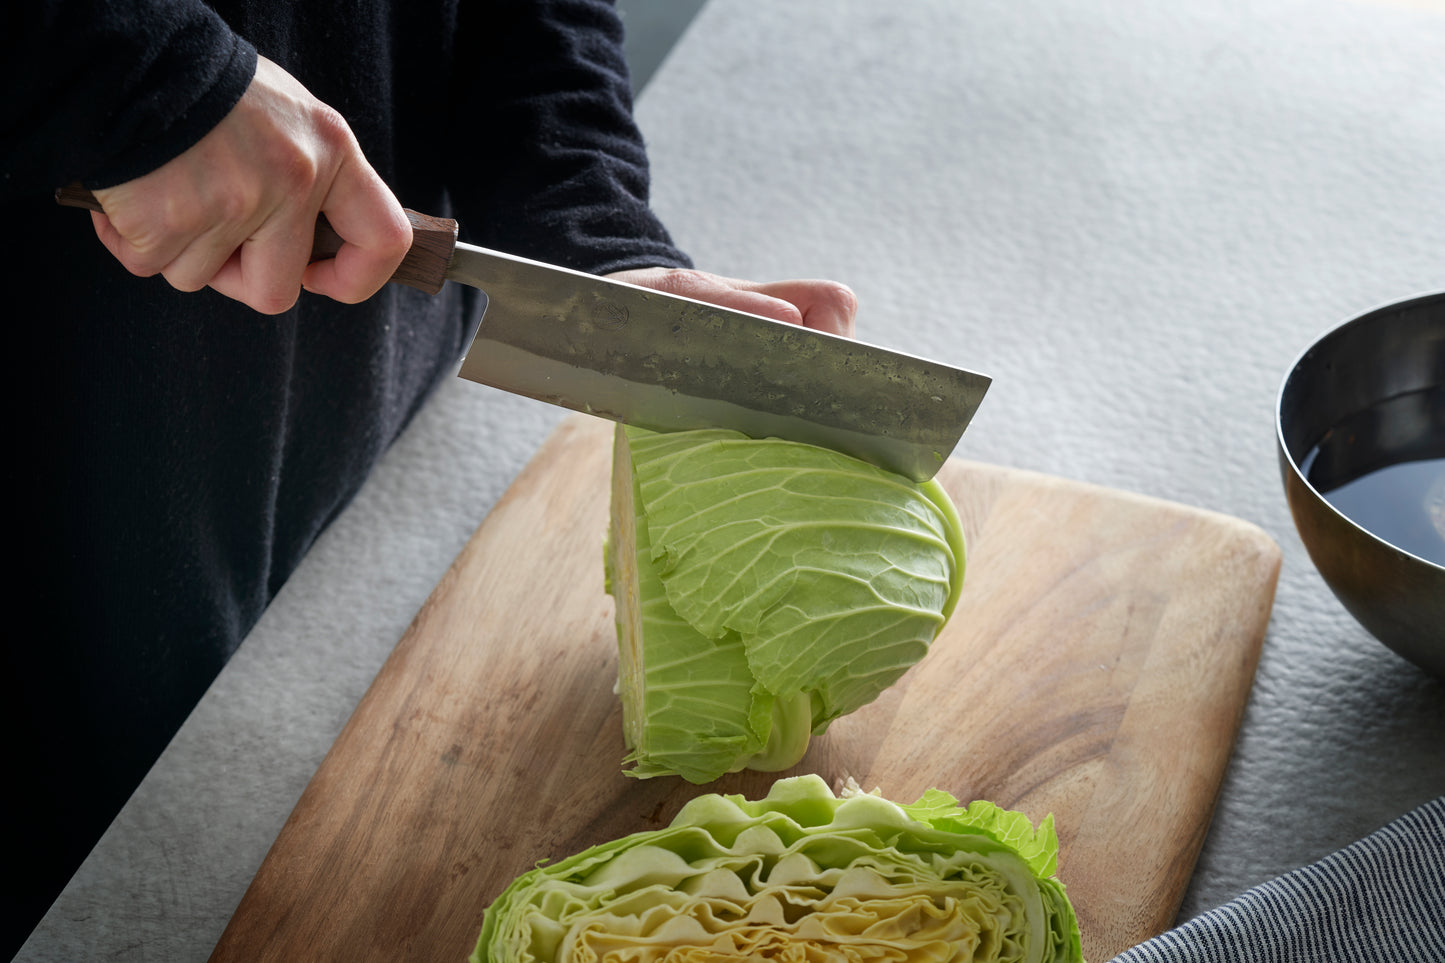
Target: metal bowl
{"type": "Point", "coordinates": [1365, 399]}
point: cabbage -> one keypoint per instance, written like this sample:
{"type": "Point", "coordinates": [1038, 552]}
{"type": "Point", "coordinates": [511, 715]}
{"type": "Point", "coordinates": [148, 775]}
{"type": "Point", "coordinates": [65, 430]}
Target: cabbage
{"type": "Point", "coordinates": [798, 876]}
{"type": "Point", "coordinates": [763, 589]}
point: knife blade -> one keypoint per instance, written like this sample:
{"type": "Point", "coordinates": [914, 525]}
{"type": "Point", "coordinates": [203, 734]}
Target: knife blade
{"type": "Point", "coordinates": [668, 363]}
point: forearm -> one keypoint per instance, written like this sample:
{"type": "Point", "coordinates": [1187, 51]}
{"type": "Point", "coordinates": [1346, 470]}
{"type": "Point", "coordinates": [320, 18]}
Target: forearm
{"type": "Point", "coordinates": [106, 90]}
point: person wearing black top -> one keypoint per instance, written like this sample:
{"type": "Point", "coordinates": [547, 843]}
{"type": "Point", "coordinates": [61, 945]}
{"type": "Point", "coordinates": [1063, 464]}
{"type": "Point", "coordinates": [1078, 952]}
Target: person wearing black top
{"type": "Point", "coordinates": [185, 419]}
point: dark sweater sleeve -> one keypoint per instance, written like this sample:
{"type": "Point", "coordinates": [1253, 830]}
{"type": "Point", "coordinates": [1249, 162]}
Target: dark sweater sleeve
{"type": "Point", "coordinates": [549, 162]}
{"type": "Point", "coordinates": [107, 90]}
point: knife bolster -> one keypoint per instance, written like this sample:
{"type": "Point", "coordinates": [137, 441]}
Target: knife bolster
{"type": "Point", "coordinates": [425, 266]}
{"type": "Point", "coordinates": [433, 241]}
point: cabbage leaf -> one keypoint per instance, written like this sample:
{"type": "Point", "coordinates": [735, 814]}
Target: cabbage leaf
{"type": "Point", "coordinates": [800, 875]}
{"type": "Point", "coordinates": [764, 588]}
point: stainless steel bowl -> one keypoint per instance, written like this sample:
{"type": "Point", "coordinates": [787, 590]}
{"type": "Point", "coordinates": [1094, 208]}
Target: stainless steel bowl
{"type": "Point", "coordinates": [1368, 395]}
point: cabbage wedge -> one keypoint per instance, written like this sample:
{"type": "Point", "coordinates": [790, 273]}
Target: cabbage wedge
{"type": "Point", "coordinates": [799, 876]}
{"type": "Point", "coordinates": [763, 589]}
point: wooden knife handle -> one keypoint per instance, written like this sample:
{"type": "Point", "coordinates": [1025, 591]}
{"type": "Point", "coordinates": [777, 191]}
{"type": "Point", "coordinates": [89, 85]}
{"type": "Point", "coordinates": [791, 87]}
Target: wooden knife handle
{"type": "Point", "coordinates": [425, 266]}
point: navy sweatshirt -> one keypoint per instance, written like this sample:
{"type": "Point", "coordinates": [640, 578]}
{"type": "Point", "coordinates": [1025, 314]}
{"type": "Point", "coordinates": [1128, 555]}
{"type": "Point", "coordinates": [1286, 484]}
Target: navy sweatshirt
{"type": "Point", "coordinates": [173, 455]}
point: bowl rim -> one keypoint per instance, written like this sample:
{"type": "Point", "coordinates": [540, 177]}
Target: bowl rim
{"type": "Point", "coordinates": [1288, 456]}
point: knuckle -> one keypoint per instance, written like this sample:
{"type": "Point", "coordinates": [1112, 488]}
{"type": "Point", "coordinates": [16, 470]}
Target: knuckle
{"type": "Point", "coordinates": [397, 240]}
{"type": "Point", "coordinates": [295, 170]}
{"type": "Point", "coordinates": [135, 247]}
{"type": "Point", "coordinates": [139, 262]}
{"type": "Point", "coordinates": [330, 125]}
{"type": "Point", "coordinates": [276, 301]}
{"type": "Point", "coordinates": [840, 298]}
{"type": "Point", "coordinates": [687, 282]}
{"type": "Point", "coordinates": [787, 311]}
{"type": "Point", "coordinates": [143, 258]}
{"type": "Point", "coordinates": [298, 164]}
{"type": "Point", "coordinates": [387, 242]}
{"type": "Point", "coordinates": [183, 281]}
{"type": "Point", "coordinates": [173, 216]}
{"type": "Point", "coordinates": [332, 143]}
{"type": "Point", "coordinates": [237, 204]}
{"type": "Point", "coordinates": [140, 268]}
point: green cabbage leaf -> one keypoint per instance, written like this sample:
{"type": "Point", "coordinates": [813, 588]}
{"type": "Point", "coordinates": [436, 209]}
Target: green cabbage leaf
{"type": "Point", "coordinates": [764, 588]}
{"type": "Point", "coordinates": [800, 875]}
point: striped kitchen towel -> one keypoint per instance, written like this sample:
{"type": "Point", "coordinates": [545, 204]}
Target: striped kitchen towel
{"type": "Point", "coordinates": [1380, 899]}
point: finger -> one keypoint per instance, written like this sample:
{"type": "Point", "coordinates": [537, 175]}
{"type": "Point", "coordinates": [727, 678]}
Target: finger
{"type": "Point", "coordinates": [373, 228]}
{"type": "Point", "coordinates": [824, 305]}
{"type": "Point", "coordinates": [754, 302]}
{"type": "Point", "coordinates": [109, 236]}
{"type": "Point", "coordinates": [270, 298]}
{"type": "Point", "coordinates": [206, 256]}
{"type": "Point", "coordinates": [265, 272]}
{"type": "Point", "coordinates": [820, 305]}
{"type": "Point", "coordinates": [145, 255]}
{"type": "Point", "coordinates": [714, 289]}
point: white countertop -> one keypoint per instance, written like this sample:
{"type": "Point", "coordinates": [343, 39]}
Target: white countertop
{"type": "Point", "coordinates": [1133, 216]}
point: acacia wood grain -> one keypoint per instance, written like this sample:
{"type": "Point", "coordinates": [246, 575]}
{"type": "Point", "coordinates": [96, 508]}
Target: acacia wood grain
{"type": "Point", "coordinates": [1096, 667]}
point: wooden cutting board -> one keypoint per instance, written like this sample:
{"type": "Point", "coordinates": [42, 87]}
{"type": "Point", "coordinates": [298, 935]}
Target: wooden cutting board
{"type": "Point", "coordinates": [1096, 667]}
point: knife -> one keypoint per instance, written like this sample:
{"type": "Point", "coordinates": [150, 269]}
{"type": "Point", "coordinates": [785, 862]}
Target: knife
{"type": "Point", "coordinates": [670, 363]}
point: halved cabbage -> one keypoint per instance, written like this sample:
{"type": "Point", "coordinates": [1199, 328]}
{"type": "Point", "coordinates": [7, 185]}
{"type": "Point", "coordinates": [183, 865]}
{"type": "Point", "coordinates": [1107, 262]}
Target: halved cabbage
{"type": "Point", "coordinates": [800, 875]}
{"type": "Point", "coordinates": [764, 588]}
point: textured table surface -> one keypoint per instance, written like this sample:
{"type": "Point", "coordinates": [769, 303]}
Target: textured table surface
{"type": "Point", "coordinates": [1133, 216]}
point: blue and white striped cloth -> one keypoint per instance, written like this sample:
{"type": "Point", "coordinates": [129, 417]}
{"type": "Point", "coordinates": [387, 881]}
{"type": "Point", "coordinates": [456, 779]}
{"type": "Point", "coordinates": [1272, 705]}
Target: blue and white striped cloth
{"type": "Point", "coordinates": [1380, 899]}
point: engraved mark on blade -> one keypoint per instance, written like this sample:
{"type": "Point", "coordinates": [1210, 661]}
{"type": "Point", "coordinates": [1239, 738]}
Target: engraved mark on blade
{"type": "Point", "coordinates": [609, 314]}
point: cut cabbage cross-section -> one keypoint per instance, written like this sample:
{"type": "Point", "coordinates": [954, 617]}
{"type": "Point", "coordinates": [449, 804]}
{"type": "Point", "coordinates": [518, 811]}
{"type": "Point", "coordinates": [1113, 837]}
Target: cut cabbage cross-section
{"type": "Point", "coordinates": [764, 588]}
{"type": "Point", "coordinates": [797, 877]}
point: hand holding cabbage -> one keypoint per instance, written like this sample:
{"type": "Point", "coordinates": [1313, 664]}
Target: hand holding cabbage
{"type": "Point", "coordinates": [798, 876]}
